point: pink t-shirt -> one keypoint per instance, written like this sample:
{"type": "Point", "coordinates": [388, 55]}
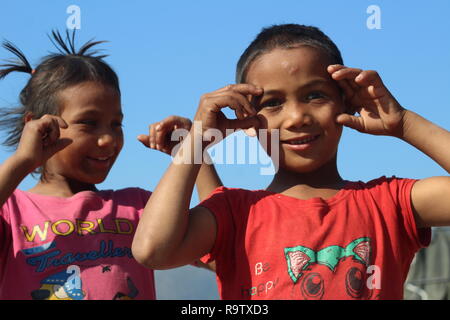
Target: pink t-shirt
{"type": "Point", "coordinates": [72, 248]}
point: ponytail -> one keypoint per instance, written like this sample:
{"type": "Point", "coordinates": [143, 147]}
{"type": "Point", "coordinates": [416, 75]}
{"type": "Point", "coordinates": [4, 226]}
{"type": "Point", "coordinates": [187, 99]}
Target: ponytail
{"type": "Point", "coordinates": [21, 64]}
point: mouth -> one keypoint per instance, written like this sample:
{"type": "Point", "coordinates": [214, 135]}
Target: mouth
{"type": "Point", "coordinates": [301, 140]}
{"type": "Point", "coordinates": [101, 162]}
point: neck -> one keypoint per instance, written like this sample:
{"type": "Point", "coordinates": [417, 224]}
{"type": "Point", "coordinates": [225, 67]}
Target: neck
{"type": "Point", "coordinates": [325, 177]}
{"type": "Point", "coordinates": [60, 186]}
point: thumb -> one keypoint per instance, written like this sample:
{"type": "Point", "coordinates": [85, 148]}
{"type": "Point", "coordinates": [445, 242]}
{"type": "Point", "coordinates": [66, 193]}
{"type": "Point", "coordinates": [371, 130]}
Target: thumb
{"type": "Point", "coordinates": [144, 139]}
{"type": "Point", "coordinates": [350, 121]}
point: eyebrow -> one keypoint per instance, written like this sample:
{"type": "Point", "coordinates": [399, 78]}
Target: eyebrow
{"type": "Point", "coordinates": [95, 112]}
{"type": "Point", "coordinates": [311, 83]}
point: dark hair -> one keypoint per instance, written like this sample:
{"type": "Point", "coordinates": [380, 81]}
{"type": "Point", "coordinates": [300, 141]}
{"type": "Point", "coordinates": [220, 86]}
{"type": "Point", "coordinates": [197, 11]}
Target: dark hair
{"type": "Point", "coordinates": [56, 72]}
{"type": "Point", "coordinates": [286, 36]}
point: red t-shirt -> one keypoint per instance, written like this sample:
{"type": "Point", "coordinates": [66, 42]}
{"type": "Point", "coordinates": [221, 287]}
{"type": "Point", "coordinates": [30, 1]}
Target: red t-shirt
{"type": "Point", "coordinates": [356, 245]}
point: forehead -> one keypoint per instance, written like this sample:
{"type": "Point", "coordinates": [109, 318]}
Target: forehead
{"type": "Point", "coordinates": [300, 62]}
{"type": "Point", "coordinates": [89, 97]}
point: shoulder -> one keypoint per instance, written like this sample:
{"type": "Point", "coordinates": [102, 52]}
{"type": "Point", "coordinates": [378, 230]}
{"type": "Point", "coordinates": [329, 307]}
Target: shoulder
{"type": "Point", "coordinates": [391, 184]}
{"type": "Point", "coordinates": [234, 195]}
{"type": "Point", "coordinates": [131, 196]}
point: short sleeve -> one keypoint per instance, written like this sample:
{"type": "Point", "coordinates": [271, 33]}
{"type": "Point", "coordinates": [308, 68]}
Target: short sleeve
{"type": "Point", "coordinates": [401, 191]}
{"type": "Point", "coordinates": [219, 205]}
{"type": "Point", "coordinates": [134, 197]}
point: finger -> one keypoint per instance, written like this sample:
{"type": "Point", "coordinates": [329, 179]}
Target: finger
{"type": "Point", "coordinates": [175, 122]}
{"type": "Point", "coordinates": [372, 81]}
{"type": "Point", "coordinates": [152, 135]}
{"type": "Point", "coordinates": [248, 109]}
{"type": "Point", "coordinates": [243, 88]}
{"type": "Point", "coordinates": [161, 130]}
{"type": "Point", "coordinates": [349, 74]}
{"type": "Point", "coordinates": [349, 92]}
{"type": "Point", "coordinates": [220, 101]}
{"type": "Point", "coordinates": [144, 139]}
{"type": "Point", "coordinates": [244, 92]}
{"type": "Point", "coordinates": [49, 130]}
{"type": "Point", "coordinates": [350, 121]}
{"type": "Point", "coordinates": [335, 67]}
{"type": "Point", "coordinates": [61, 122]}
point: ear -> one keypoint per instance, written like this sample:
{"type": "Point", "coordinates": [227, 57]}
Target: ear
{"type": "Point", "coordinates": [28, 116]}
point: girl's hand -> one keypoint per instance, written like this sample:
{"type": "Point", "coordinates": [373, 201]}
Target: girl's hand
{"type": "Point", "coordinates": [159, 137]}
{"type": "Point", "coordinates": [40, 140]}
{"type": "Point", "coordinates": [365, 93]}
{"type": "Point", "coordinates": [236, 97]}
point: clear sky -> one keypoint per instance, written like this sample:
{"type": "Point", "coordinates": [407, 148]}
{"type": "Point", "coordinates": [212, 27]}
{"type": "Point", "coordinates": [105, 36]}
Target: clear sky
{"type": "Point", "coordinates": [168, 53]}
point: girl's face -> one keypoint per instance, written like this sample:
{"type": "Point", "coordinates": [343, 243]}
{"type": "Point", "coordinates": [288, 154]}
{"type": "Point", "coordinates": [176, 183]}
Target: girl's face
{"type": "Point", "coordinates": [302, 101]}
{"type": "Point", "coordinates": [94, 116]}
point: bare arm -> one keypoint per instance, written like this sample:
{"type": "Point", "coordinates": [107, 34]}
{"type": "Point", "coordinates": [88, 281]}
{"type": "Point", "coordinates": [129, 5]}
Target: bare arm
{"type": "Point", "coordinates": [168, 234]}
{"type": "Point", "coordinates": [381, 114]}
{"type": "Point", "coordinates": [12, 172]}
{"type": "Point", "coordinates": [207, 180]}
{"type": "Point", "coordinates": [430, 197]}
{"type": "Point", "coordinates": [39, 141]}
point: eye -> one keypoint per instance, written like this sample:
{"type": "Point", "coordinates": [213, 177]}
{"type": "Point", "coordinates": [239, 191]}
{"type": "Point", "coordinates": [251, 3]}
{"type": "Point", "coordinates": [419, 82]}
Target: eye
{"type": "Point", "coordinates": [87, 122]}
{"type": "Point", "coordinates": [271, 103]}
{"type": "Point", "coordinates": [117, 125]}
{"type": "Point", "coordinates": [315, 95]}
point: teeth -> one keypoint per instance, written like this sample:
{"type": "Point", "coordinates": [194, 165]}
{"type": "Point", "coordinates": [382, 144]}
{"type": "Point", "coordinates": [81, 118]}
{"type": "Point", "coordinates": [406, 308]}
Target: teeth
{"type": "Point", "coordinates": [302, 141]}
{"type": "Point", "coordinates": [102, 159]}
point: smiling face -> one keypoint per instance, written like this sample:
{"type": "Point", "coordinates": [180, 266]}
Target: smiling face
{"type": "Point", "coordinates": [93, 114]}
{"type": "Point", "coordinates": [302, 101]}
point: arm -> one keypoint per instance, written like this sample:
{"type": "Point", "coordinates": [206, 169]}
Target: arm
{"type": "Point", "coordinates": [381, 114]}
{"type": "Point", "coordinates": [207, 180]}
{"type": "Point", "coordinates": [430, 197]}
{"type": "Point", "coordinates": [12, 172]}
{"type": "Point", "coordinates": [39, 141]}
{"type": "Point", "coordinates": [168, 235]}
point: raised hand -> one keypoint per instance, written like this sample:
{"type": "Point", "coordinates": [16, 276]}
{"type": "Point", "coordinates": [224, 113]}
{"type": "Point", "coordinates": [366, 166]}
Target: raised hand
{"type": "Point", "coordinates": [365, 93]}
{"type": "Point", "coordinates": [236, 97]}
{"type": "Point", "coordinates": [159, 137]}
{"type": "Point", "coordinates": [40, 140]}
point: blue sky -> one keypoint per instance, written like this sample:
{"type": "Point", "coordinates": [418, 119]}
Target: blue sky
{"type": "Point", "coordinates": [168, 53]}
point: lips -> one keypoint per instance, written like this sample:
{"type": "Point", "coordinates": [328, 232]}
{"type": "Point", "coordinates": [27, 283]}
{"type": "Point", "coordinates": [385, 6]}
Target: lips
{"type": "Point", "coordinates": [301, 140]}
{"type": "Point", "coordinates": [101, 162]}
{"type": "Point", "coordinates": [300, 143]}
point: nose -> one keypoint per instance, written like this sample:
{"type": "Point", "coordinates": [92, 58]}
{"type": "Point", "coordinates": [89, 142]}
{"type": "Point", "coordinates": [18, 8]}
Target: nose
{"type": "Point", "coordinates": [107, 139]}
{"type": "Point", "coordinates": [296, 116]}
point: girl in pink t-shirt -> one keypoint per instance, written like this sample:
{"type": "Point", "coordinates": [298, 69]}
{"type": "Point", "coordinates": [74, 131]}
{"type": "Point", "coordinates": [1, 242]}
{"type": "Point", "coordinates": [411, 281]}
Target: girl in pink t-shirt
{"type": "Point", "coordinates": [63, 238]}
